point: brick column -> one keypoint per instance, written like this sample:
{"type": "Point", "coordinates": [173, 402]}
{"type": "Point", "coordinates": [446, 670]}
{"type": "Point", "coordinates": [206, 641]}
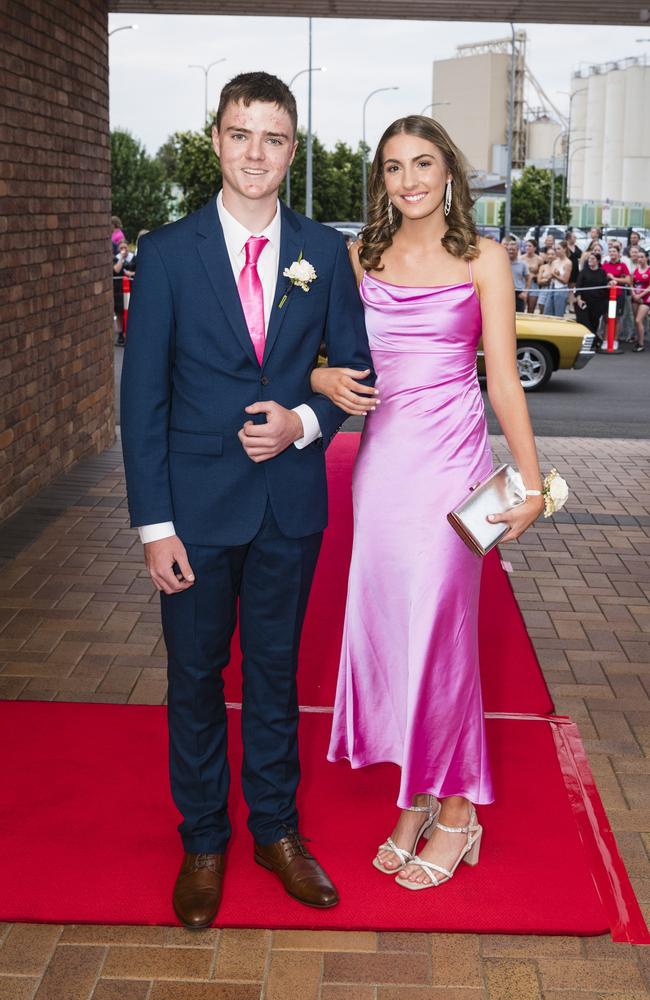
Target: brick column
{"type": "Point", "coordinates": [56, 354]}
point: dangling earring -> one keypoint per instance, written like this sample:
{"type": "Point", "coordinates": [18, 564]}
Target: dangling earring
{"type": "Point", "coordinates": [448, 198]}
{"type": "Point", "coordinates": [390, 213]}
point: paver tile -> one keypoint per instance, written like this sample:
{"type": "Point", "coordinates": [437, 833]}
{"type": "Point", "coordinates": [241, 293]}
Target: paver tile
{"type": "Point", "coordinates": [382, 967]}
{"type": "Point", "coordinates": [595, 973]}
{"type": "Point", "coordinates": [113, 934]}
{"type": "Point", "coordinates": [72, 973]}
{"type": "Point", "coordinates": [509, 979]}
{"type": "Point", "coordinates": [294, 975]}
{"type": "Point", "coordinates": [27, 949]}
{"type": "Point", "coordinates": [429, 993]}
{"type": "Point", "coordinates": [455, 960]}
{"type": "Point", "coordinates": [388, 941]}
{"type": "Point", "coordinates": [14, 988]}
{"type": "Point", "coordinates": [121, 989]}
{"type": "Point", "coordinates": [242, 954]}
{"type": "Point", "coordinates": [208, 991]}
{"type": "Point", "coordinates": [329, 991]}
{"type": "Point", "coordinates": [326, 940]}
{"type": "Point", "coordinates": [138, 962]}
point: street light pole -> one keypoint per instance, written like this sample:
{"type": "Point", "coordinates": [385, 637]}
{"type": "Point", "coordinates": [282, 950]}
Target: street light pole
{"type": "Point", "coordinates": [511, 120]}
{"type": "Point", "coordinates": [580, 149]}
{"type": "Point", "coordinates": [309, 179]}
{"type": "Point", "coordinates": [565, 175]}
{"type": "Point", "coordinates": [124, 27]}
{"type": "Point", "coordinates": [551, 211]}
{"type": "Point", "coordinates": [205, 70]}
{"type": "Point", "coordinates": [435, 104]}
{"type": "Point", "coordinates": [315, 69]}
{"type": "Point", "coordinates": [364, 164]}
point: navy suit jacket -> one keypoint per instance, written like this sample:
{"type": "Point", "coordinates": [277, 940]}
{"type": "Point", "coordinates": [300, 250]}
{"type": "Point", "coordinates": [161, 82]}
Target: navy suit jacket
{"type": "Point", "coordinates": [190, 370]}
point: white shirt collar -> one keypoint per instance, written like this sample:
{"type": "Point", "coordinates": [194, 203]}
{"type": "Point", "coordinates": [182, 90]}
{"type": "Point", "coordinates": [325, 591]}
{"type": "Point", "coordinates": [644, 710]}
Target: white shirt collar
{"type": "Point", "coordinates": [236, 235]}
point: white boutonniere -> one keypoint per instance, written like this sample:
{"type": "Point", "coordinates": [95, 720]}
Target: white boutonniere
{"type": "Point", "coordinates": [555, 492]}
{"type": "Point", "coordinates": [300, 273]}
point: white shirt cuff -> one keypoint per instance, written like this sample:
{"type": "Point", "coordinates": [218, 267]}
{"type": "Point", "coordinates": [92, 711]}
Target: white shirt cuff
{"type": "Point", "coordinates": [154, 532]}
{"type": "Point", "coordinates": [310, 425]}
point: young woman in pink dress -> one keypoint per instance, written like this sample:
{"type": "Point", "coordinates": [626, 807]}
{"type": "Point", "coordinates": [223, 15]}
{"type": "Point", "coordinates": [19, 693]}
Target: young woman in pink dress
{"type": "Point", "coordinates": [409, 686]}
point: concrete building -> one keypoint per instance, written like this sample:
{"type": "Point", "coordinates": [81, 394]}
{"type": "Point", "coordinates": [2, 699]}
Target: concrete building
{"type": "Point", "coordinates": [542, 140]}
{"type": "Point", "coordinates": [471, 96]}
{"type": "Point", "coordinates": [609, 149]}
{"type": "Point", "coordinates": [471, 101]}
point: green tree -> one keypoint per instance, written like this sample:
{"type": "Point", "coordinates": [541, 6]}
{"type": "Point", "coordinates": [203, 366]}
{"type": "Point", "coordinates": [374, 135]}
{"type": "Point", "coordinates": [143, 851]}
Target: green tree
{"type": "Point", "coordinates": [193, 166]}
{"type": "Point", "coordinates": [336, 193]}
{"type": "Point", "coordinates": [140, 192]}
{"type": "Point", "coordinates": [531, 199]}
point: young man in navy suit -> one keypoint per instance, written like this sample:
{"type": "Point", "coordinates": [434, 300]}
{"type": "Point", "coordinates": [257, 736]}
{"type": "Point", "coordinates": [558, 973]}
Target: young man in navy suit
{"type": "Point", "coordinates": [224, 449]}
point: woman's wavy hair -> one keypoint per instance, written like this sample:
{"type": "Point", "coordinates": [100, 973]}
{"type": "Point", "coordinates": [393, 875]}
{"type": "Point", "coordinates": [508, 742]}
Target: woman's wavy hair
{"type": "Point", "coordinates": [461, 238]}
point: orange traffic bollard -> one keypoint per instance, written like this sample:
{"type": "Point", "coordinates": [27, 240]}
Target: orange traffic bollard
{"type": "Point", "coordinates": [126, 296]}
{"type": "Point", "coordinates": [612, 343]}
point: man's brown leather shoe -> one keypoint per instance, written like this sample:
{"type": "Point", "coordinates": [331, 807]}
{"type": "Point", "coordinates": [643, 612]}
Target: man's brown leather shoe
{"type": "Point", "coordinates": [300, 874]}
{"type": "Point", "coordinates": [197, 892]}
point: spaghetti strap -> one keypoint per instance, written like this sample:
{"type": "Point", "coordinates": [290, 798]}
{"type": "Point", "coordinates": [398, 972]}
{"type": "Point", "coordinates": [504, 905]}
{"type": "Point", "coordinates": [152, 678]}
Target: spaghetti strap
{"type": "Point", "coordinates": [469, 265]}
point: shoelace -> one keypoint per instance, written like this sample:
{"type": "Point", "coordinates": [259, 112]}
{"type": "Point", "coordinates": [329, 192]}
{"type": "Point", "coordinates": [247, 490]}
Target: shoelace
{"type": "Point", "coordinates": [295, 843]}
{"type": "Point", "coordinates": [205, 861]}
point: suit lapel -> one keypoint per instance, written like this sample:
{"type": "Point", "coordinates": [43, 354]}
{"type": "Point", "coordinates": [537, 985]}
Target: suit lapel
{"type": "Point", "coordinates": [291, 243]}
{"type": "Point", "coordinates": [214, 254]}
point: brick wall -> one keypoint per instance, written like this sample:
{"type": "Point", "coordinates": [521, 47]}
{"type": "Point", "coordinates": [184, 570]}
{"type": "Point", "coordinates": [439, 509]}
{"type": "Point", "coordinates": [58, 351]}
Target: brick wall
{"type": "Point", "coordinates": [56, 354]}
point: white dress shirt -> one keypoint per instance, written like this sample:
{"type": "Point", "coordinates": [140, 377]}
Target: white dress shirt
{"type": "Point", "coordinates": [236, 237]}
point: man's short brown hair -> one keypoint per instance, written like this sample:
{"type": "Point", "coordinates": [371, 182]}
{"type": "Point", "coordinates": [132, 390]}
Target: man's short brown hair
{"type": "Point", "coordinates": [249, 87]}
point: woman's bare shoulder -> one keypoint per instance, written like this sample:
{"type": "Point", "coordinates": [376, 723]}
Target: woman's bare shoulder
{"type": "Point", "coordinates": [490, 249]}
{"type": "Point", "coordinates": [491, 255]}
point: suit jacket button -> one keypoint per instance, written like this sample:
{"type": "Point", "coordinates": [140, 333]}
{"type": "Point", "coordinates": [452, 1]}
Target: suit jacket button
{"type": "Point", "coordinates": [264, 380]}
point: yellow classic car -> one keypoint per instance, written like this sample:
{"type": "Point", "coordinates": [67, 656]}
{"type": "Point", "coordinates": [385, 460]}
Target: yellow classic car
{"type": "Point", "coordinates": [544, 344]}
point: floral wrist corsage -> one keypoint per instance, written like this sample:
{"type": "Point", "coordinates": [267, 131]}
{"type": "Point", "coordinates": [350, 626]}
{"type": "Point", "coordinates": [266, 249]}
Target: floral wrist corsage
{"type": "Point", "coordinates": [555, 492]}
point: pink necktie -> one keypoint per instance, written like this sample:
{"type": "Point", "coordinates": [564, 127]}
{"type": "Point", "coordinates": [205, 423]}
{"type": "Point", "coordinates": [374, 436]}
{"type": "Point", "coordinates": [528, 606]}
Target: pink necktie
{"type": "Point", "coordinates": [251, 294]}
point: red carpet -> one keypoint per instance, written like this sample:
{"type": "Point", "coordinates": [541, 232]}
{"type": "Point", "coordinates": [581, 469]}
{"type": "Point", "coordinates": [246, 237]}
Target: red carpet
{"type": "Point", "coordinates": [511, 675]}
{"type": "Point", "coordinates": [89, 833]}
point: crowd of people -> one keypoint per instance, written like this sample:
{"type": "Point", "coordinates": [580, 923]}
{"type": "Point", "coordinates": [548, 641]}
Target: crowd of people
{"type": "Point", "coordinates": [125, 262]}
{"type": "Point", "coordinates": [558, 276]}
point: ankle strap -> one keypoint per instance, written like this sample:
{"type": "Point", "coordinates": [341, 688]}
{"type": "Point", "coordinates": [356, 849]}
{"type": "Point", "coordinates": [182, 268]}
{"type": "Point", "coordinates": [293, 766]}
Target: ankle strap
{"type": "Point", "coordinates": [431, 807]}
{"type": "Point", "coordinates": [470, 828]}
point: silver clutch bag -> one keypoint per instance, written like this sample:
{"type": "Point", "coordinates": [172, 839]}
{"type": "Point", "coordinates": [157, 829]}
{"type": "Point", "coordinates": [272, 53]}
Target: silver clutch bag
{"type": "Point", "coordinates": [503, 489]}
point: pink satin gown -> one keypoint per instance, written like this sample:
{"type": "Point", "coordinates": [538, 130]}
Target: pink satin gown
{"type": "Point", "coordinates": [409, 688]}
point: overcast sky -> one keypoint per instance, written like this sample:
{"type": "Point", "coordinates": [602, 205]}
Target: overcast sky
{"type": "Point", "coordinates": [153, 93]}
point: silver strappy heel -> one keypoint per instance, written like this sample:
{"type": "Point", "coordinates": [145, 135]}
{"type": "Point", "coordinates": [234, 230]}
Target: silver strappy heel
{"type": "Point", "coordinates": [469, 854]}
{"type": "Point", "coordinates": [406, 857]}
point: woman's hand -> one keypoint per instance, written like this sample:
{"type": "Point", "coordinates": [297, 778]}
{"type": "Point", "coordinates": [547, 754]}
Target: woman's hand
{"type": "Point", "coordinates": [518, 518]}
{"type": "Point", "coordinates": [341, 385]}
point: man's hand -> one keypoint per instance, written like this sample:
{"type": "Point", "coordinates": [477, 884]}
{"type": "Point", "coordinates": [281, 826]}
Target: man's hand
{"type": "Point", "coordinates": [264, 441]}
{"type": "Point", "coordinates": [160, 557]}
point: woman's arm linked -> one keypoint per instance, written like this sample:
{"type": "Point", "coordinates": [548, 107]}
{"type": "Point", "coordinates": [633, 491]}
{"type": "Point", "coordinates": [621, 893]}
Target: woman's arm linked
{"type": "Point", "coordinates": [493, 279]}
{"type": "Point", "coordinates": [341, 385]}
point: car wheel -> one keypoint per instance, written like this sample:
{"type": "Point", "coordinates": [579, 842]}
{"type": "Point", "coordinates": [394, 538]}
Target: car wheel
{"type": "Point", "coordinates": [535, 366]}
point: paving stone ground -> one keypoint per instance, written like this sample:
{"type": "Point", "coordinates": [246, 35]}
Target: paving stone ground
{"type": "Point", "coordinates": [79, 621]}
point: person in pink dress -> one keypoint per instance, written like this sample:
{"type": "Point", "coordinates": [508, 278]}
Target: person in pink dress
{"type": "Point", "coordinates": [409, 687]}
